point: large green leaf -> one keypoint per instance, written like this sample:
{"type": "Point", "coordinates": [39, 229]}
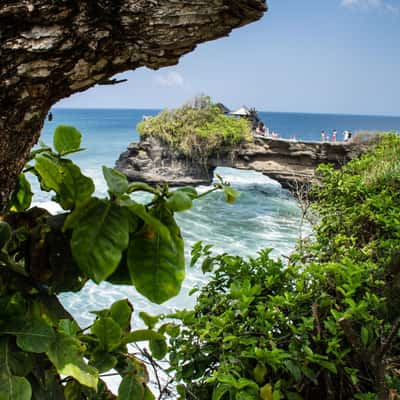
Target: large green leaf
{"type": "Point", "coordinates": [65, 354]}
{"type": "Point", "coordinates": [76, 188]}
{"type": "Point", "coordinates": [148, 395]}
{"type": "Point", "coordinates": [99, 238]}
{"type": "Point", "coordinates": [121, 312]}
{"type": "Point", "coordinates": [49, 173]}
{"type": "Point", "coordinates": [67, 139]}
{"type": "Point", "coordinates": [180, 201]}
{"type": "Point", "coordinates": [35, 336]}
{"type": "Point", "coordinates": [108, 332]}
{"type": "Point", "coordinates": [15, 388]}
{"type": "Point", "coordinates": [130, 389]}
{"type": "Point", "coordinates": [156, 264]}
{"type": "Point", "coordinates": [65, 178]}
{"type": "Point", "coordinates": [116, 181]}
{"type": "Point", "coordinates": [147, 217]}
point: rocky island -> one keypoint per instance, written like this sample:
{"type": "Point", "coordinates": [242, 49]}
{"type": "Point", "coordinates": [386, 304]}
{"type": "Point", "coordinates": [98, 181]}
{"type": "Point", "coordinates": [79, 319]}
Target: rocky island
{"type": "Point", "coordinates": [188, 152]}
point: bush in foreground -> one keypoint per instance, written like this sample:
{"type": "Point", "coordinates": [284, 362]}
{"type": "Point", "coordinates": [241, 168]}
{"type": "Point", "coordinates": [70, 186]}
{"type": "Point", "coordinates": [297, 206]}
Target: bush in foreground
{"type": "Point", "coordinates": [324, 326]}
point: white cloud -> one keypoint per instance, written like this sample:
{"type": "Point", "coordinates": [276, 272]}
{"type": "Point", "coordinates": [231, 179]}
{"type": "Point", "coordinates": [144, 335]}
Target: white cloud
{"type": "Point", "coordinates": [170, 79]}
{"type": "Point", "coordinates": [368, 4]}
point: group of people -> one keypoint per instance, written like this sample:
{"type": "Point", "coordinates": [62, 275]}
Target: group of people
{"type": "Point", "coordinates": [263, 131]}
{"type": "Point", "coordinates": [347, 135]}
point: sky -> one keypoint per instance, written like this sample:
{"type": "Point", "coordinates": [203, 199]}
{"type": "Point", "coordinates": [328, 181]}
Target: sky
{"type": "Point", "coordinates": [314, 56]}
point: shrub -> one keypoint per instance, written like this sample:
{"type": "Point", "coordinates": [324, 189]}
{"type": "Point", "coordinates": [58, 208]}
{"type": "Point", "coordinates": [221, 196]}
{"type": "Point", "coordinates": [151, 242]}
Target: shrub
{"type": "Point", "coordinates": [326, 325]}
{"type": "Point", "coordinates": [196, 132]}
{"type": "Point", "coordinates": [44, 354]}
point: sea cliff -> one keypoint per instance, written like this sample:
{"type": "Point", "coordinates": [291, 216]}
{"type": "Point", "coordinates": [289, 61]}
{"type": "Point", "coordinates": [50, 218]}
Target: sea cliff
{"type": "Point", "coordinates": [286, 161]}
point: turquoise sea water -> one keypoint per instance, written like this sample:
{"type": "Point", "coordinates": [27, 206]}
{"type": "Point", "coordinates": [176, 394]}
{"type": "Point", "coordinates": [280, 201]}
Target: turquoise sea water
{"type": "Point", "coordinates": [264, 216]}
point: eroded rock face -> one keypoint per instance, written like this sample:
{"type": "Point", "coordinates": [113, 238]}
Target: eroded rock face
{"type": "Point", "coordinates": [288, 162]}
{"type": "Point", "coordinates": [52, 49]}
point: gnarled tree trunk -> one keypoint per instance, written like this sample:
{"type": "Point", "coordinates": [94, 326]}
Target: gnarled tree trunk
{"type": "Point", "coordinates": [50, 49]}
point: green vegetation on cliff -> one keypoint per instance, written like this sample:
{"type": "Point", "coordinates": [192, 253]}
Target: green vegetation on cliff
{"type": "Point", "coordinates": [326, 325]}
{"type": "Point", "coordinates": [196, 131]}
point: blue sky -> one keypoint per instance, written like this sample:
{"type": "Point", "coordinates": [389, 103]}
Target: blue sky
{"type": "Point", "coordinates": [322, 56]}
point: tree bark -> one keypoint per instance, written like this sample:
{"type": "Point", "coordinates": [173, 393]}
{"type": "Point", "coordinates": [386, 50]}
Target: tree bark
{"type": "Point", "coordinates": [50, 49]}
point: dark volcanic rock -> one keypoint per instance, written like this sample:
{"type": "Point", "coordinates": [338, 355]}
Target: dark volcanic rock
{"type": "Point", "coordinates": [288, 162]}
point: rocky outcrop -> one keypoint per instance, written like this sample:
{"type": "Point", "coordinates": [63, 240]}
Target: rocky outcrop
{"type": "Point", "coordinates": [286, 161]}
{"type": "Point", "coordinates": [51, 49]}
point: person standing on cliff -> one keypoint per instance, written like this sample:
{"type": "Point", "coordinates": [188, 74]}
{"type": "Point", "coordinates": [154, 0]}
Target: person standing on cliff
{"type": "Point", "coordinates": [322, 136]}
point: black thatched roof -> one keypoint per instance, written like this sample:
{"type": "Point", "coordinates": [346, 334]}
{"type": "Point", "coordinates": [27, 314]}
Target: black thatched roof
{"type": "Point", "coordinates": [223, 109]}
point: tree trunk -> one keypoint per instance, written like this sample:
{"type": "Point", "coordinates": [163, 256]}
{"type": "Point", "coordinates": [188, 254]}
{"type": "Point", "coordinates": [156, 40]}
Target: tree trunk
{"type": "Point", "coordinates": [50, 49]}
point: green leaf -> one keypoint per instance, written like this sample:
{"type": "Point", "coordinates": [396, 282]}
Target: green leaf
{"type": "Point", "coordinates": [73, 391]}
{"type": "Point", "coordinates": [266, 392]}
{"type": "Point", "coordinates": [103, 361]}
{"type": "Point", "coordinates": [67, 139]}
{"type": "Point", "coordinates": [246, 395]}
{"type": "Point", "coordinates": [140, 211]}
{"type": "Point", "coordinates": [157, 265]}
{"type": "Point", "coordinates": [189, 190]}
{"type": "Point", "coordinates": [330, 366]}
{"type": "Point", "coordinates": [130, 389]}
{"type": "Point", "coordinates": [100, 238]}
{"type": "Point", "coordinates": [49, 173]}
{"type": "Point", "coordinates": [140, 186]}
{"type": "Point", "coordinates": [35, 336]}
{"type": "Point", "coordinates": [108, 332]}
{"type": "Point", "coordinates": [65, 354]}
{"type": "Point", "coordinates": [293, 396]}
{"type": "Point", "coordinates": [68, 327]}
{"type": "Point", "coordinates": [246, 383]}
{"type": "Point", "coordinates": [293, 369]}
{"type": "Point", "coordinates": [219, 391]}
{"type": "Point", "coordinates": [5, 354]}
{"type": "Point", "coordinates": [65, 178]}
{"type": "Point", "coordinates": [121, 312]}
{"type": "Point", "coordinates": [5, 233]}
{"type": "Point", "coordinates": [149, 320]}
{"type": "Point", "coordinates": [179, 201]}
{"type": "Point", "coordinates": [148, 395]}
{"type": "Point", "coordinates": [22, 363]}
{"type": "Point", "coordinates": [158, 348]}
{"type": "Point", "coordinates": [364, 336]}
{"type": "Point", "coordinates": [22, 195]}
{"type": "Point", "coordinates": [15, 388]}
{"type": "Point", "coordinates": [75, 188]}
{"type": "Point", "coordinates": [116, 181]}
{"type": "Point", "coordinates": [259, 372]}
{"type": "Point", "coordinates": [142, 335]}
{"type": "Point", "coordinates": [230, 194]}
{"type": "Point", "coordinates": [207, 265]}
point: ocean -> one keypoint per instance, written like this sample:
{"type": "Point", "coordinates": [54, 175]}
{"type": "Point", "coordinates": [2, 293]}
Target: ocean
{"type": "Point", "coordinates": [264, 216]}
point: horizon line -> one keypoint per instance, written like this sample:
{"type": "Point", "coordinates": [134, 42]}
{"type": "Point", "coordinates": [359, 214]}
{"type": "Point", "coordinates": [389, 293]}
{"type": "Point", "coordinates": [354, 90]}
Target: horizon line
{"type": "Point", "coordinates": [260, 111]}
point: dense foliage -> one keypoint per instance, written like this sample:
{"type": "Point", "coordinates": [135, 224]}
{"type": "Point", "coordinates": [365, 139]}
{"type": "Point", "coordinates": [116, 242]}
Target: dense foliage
{"type": "Point", "coordinates": [44, 354]}
{"type": "Point", "coordinates": [325, 324]}
{"type": "Point", "coordinates": [196, 132]}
